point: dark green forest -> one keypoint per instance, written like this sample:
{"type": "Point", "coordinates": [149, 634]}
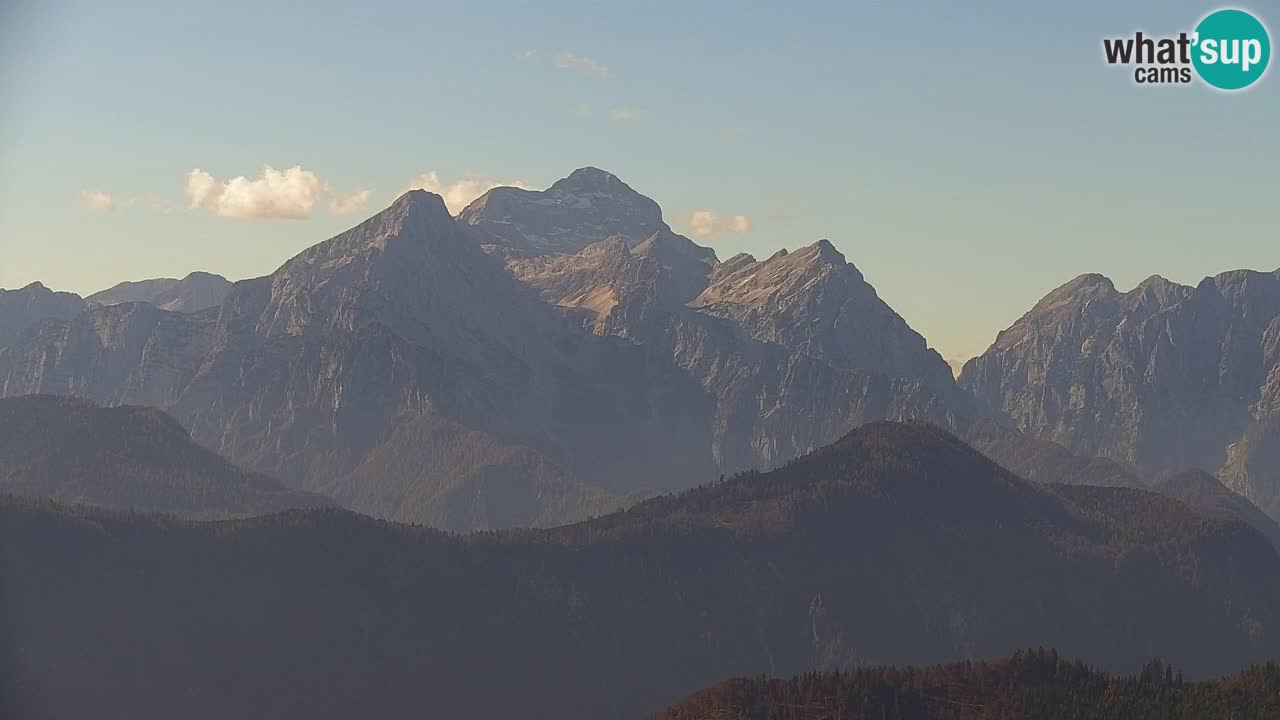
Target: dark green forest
{"type": "Point", "coordinates": [1029, 685]}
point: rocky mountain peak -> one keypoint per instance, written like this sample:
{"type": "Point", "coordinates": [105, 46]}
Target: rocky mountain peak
{"type": "Point", "coordinates": [588, 206]}
{"type": "Point", "coordinates": [1077, 290]}
{"type": "Point", "coordinates": [591, 180]}
{"type": "Point", "coordinates": [31, 305]}
{"type": "Point", "coordinates": [813, 301]}
{"type": "Point", "coordinates": [419, 204]}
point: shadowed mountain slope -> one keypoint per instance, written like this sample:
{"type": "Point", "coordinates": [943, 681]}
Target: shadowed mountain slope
{"type": "Point", "coordinates": [138, 458]}
{"type": "Point", "coordinates": [898, 544]}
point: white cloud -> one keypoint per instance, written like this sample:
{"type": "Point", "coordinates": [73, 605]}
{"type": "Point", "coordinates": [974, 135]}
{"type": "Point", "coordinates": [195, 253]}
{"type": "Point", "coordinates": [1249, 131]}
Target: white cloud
{"type": "Point", "coordinates": [97, 200]}
{"type": "Point", "coordinates": [705, 224]}
{"type": "Point", "coordinates": [459, 193]}
{"type": "Point", "coordinates": [565, 60]}
{"type": "Point", "coordinates": [348, 204]}
{"type": "Point", "coordinates": [286, 194]}
{"type": "Point", "coordinates": [624, 113]}
{"type": "Point", "coordinates": [289, 194]}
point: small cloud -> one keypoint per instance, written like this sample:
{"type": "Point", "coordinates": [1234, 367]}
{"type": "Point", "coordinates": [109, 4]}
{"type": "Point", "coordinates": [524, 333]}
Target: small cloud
{"type": "Point", "coordinates": [581, 110]}
{"type": "Point", "coordinates": [625, 113]}
{"type": "Point", "coordinates": [289, 194]}
{"type": "Point", "coordinates": [277, 194]}
{"type": "Point", "coordinates": [349, 204]}
{"type": "Point", "coordinates": [706, 224]}
{"type": "Point", "coordinates": [565, 60]}
{"type": "Point", "coordinates": [97, 200]}
{"type": "Point", "coordinates": [459, 193]}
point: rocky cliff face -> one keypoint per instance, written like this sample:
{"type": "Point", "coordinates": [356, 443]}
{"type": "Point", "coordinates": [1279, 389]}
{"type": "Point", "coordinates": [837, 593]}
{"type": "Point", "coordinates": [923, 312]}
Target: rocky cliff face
{"type": "Point", "coordinates": [1161, 378]}
{"type": "Point", "coordinates": [816, 302]}
{"type": "Point", "coordinates": [128, 353]}
{"type": "Point", "coordinates": [193, 293]}
{"type": "Point", "coordinates": [1253, 464]}
{"type": "Point", "coordinates": [29, 306]}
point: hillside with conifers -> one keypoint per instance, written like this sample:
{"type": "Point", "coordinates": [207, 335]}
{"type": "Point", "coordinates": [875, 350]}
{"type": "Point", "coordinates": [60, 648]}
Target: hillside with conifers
{"type": "Point", "coordinates": [1029, 685]}
{"type": "Point", "coordinates": [129, 457]}
{"type": "Point", "coordinates": [899, 544]}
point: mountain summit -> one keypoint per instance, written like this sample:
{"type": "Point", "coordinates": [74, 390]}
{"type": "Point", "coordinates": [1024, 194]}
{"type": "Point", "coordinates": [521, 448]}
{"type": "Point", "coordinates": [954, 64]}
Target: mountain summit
{"type": "Point", "coordinates": [588, 206]}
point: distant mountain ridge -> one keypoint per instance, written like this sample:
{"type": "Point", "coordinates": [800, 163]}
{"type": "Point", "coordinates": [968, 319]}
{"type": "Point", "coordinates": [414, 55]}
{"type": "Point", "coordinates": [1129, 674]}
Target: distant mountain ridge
{"type": "Point", "coordinates": [135, 458]}
{"type": "Point", "coordinates": [193, 293]}
{"type": "Point", "coordinates": [1161, 378]}
{"type": "Point", "coordinates": [897, 544]}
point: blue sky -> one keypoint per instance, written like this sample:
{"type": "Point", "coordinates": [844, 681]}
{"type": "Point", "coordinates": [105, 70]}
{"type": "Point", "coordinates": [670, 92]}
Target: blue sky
{"type": "Point", "coordinates": [967, 157]}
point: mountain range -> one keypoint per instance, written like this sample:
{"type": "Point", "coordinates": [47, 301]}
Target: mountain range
{"type": "Point", "coordinates": [586, 354]}
{"type": "Point", "coordinates": [897, 544]}
{"type": "Point", "coordinates": [547, 356]}
{"type": "Point", "coordinates": [1161, 378]}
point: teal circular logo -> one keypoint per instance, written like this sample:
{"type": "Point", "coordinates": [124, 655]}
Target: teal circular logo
{"type": "Point", "coordinates": [1231, 49]}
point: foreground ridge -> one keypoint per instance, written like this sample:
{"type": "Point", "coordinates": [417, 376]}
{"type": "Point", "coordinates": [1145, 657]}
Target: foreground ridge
{"type": "Point", "coordinates": [1030, 684]}
{"type": "Point", "coordinates": [897, 544]}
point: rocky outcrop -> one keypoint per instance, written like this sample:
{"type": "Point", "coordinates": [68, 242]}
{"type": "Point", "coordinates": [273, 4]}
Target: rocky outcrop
{"type": "Point", "coordinates": [193, 293]}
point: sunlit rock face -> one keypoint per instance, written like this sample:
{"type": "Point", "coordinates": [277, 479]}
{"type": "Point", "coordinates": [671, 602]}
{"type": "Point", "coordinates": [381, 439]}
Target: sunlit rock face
{"type": "Point", "coordinates": [1163, 377]}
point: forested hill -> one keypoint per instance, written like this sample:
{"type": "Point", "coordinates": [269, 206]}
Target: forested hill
{"type": "Point", "coordinates": [898, 544]}
{"type": "Point", "coordinates": [74, 451]}
{"type": "Point", "coordinates": [1029, 685]}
